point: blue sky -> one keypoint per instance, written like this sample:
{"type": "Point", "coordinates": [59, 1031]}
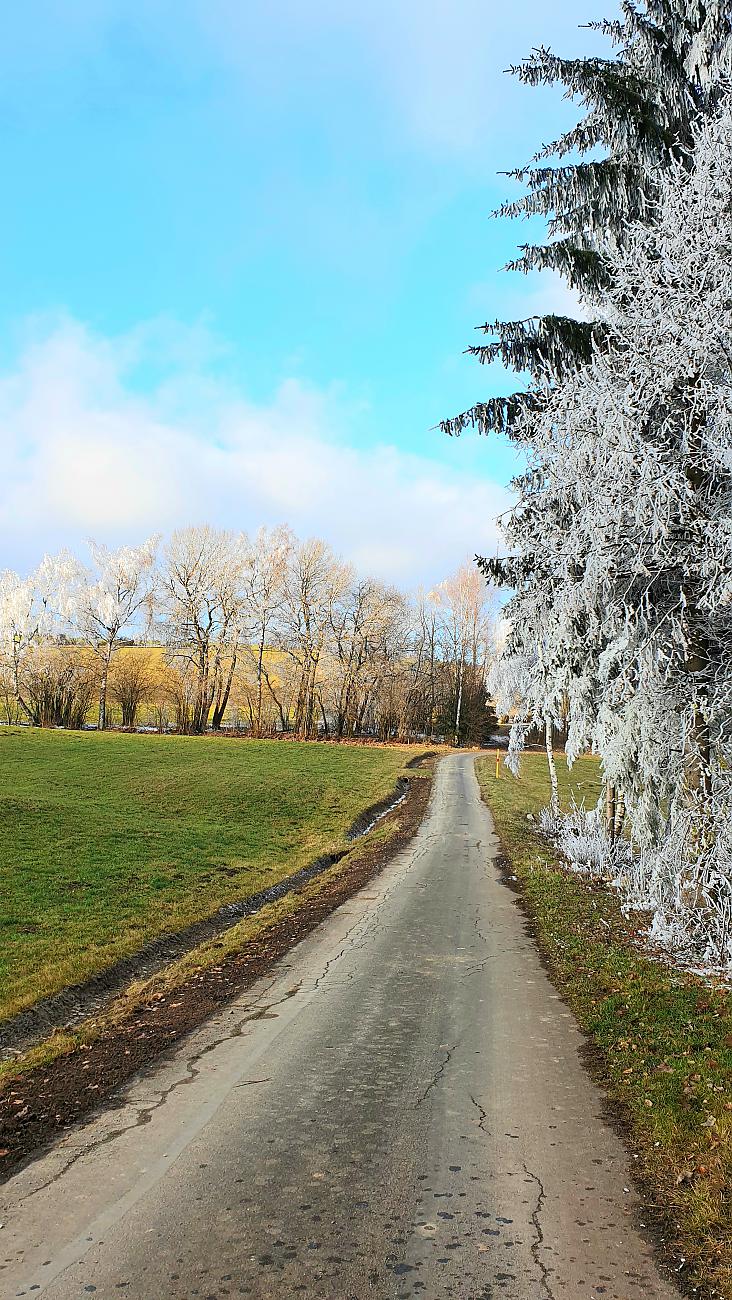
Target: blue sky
{"type": "Point", "coordinates": [242, 247]}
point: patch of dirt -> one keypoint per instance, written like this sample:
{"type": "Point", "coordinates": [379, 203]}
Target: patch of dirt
{"type": "Point", "coordinates": [421, 760]}
{"type": "Point", "coordinates": [38, 1106]}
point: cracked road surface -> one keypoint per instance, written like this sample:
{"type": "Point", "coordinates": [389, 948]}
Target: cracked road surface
{"type": "Point", "coordinates": [398, 1110]}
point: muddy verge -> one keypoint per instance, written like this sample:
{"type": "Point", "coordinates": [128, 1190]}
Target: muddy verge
{"type": "Point", "coordinates": [38, 1106]}
{"type": "Point", "coordinates": [71, 1006]}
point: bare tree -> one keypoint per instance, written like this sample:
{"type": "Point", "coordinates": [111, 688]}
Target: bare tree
{"type": "Point", "coordinates": [105, 601]}
{"type": "Point", "coordinates": [131, 682]}
{"type": "Point", "coordinates": [60, 685]}
{"type": "Point", "coordinates": [464, 601]}
{"type": "Point", "coordinates": [316, 579]}
{"type": "Point", "coordinates": [265, 576]}
{"type": "Point", "coordinates": [365, 620]}
{"type": "Point", "coordinates": [202, 602]}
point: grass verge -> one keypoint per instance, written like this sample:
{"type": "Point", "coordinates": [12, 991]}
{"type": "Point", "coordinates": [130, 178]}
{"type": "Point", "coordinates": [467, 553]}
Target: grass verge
{"type": "Point", "coordinates": [64, 1079]}
{"type": "Point", "coordinates": [661, 1040]}
{"type": "Point", "coordinates": [112, 840]}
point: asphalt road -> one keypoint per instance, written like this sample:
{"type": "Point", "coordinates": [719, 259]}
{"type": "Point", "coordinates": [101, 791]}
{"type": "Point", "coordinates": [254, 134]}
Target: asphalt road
{"type": "Point", "coordinates": [400, 1110]}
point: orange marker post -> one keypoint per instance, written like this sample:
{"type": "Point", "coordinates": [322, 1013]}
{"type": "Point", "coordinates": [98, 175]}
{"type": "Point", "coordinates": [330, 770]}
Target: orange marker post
{"type": "Point", "coordinates": [498, 764]}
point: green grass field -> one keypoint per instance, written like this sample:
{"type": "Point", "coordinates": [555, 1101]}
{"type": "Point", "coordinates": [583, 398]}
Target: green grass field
{"type": "Point", "coordinates": [109, 840]}
{"type": "Point", "coordinates": [529, 792]}
{"type": "Point", "coordinates": [663, 1037]}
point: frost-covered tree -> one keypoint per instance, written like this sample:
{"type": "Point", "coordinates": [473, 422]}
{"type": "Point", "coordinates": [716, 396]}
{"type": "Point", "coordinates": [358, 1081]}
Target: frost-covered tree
{"type": "Point", "coordinates": [519, 684]}
{"type": "Point", "coordinates": [316, 579]}
{"type": "Point", "coordinates": [203, 609]}
{"type": "Point", "coordinates": [264, 577]}
{"type": "Point", "coordinates": [29, 614]}
{"type": "Point", "coordinates": [640, 105]}
{"type": "Point", "coordinates": [623, 528]}
{"type": "Point", "coordinates": [105, 600]}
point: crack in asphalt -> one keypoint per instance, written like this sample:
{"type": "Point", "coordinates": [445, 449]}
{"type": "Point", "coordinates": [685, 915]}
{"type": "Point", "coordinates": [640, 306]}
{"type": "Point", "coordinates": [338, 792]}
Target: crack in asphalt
{"type": "Point", "coordinates": [538, 1241]}
{"type": "Point", "coordinates": [371, 922]}
{"type": "Point", "coordinates": [478, 930]}
{"type": "Point", "coordinates": [143, 1114]}
{"type": "Point", "coordinates": [475, 970]}
{"type": "Point", "coordinates": [255, 1011]}
{"type": "Point", "coordinates": [437, 1075]}
{"type": "Point", "coordinates": [481, 1112]}
{"type": "Point", "coordinates": [333, 960]}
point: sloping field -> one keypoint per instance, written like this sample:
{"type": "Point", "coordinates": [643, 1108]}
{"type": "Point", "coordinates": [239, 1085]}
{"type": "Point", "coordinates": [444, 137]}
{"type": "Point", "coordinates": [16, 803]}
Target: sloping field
{"type": "Point", "coordinates": [110, 840]}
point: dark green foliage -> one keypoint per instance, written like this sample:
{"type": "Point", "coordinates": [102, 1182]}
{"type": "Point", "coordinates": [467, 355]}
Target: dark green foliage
{"type": "Point", "coordinates": [670, 61]}
{"type": "Point", "coordinates": [550, 344]}
{"type": "Point", "coordinates": [582, 267]}
{"type": "Point", "coordinates": [497, 415]}
{"type": "Point", "coordinates": [477, 716]}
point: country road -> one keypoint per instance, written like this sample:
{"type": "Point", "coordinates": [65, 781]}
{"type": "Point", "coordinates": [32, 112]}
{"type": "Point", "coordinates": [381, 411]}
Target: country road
{"type": "Point", "coordinates": [398, 1110]}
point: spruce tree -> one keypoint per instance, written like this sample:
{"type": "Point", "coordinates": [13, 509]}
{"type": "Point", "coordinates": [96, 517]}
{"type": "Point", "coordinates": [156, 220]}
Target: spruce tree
{"type": "Point", "coordinates": [622, 535]}
{"type": "Point", "coordinates": [670, 60]}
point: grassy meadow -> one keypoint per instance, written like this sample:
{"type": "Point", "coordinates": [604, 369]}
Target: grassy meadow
{"type": "Point", "coordinates": [663, 1038]}
{"type": "Point", "coordinates": [109, 840]}
{"type": "Point", "coordinates": [529, 792]}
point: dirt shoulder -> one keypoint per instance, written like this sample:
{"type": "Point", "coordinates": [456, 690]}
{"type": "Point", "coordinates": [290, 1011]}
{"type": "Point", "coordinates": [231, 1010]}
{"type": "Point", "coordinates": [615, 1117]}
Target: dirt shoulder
{"type": "Point", "coordinates": [71, 1075]}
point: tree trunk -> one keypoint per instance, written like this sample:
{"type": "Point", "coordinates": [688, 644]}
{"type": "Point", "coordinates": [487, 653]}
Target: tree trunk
{"type": "Point", "coordinates": [16, 682]}
{"type": "Point", "coordinates": [102, 721]}
{"type": "Point", "coordinates": [203, 698]}
{"type": "Point", "coordinates": [552, 766]}
{"type": "Point", "coordinates": [223, 700]}
{"type": "Point", "coordinates": [610, 811]}
{"type": "Point", "coordinates": [271, 690]}
{"type": "Point", "coordinates": [300, 705]}
{"type": "Point", "coordinates": [260, 665]}
{"type": "Point", "coordinates": [619, 815]}
{"type": "Point", "coordinates": [698, 747]}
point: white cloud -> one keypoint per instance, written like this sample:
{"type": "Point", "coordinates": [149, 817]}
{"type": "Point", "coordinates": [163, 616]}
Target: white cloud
{"type": "Point", "coordinates": [84, 454]}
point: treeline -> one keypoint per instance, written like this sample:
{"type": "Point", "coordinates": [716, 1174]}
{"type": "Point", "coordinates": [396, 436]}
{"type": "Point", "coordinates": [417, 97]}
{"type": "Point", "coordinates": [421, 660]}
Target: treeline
{"type": "Point", "coordinates": [267, 634]}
